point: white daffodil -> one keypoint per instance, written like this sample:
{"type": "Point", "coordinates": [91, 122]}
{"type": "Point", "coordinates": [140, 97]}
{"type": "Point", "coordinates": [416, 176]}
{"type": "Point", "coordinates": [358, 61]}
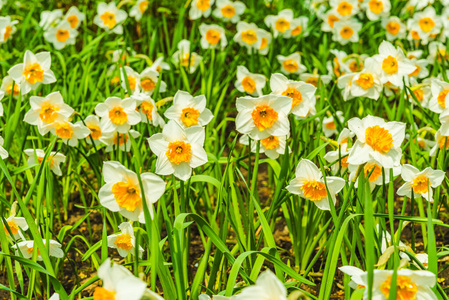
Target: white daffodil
{"type": "Point", "coordinates": [329, 126]}
{"type": "Point", "coordinates": [302, 94]}
{"type": "Point", "coordinates": [121, 191]}
{"type": "Point", "coordinates": [422, 92]}
{"type": "Point", "coordinates": [248, 82]}
{"type": "Point", "coordinates": [264, 116]}
{"type": "Point", "coordinates": [200, 8]}
{"type": "Point", "coordinates": [248, 35]}
{"type": "Point", "coordinates": [265, 41]}
{"type": "Point", "coordinates": [272, 146]}
{"type": "Point", "coordinates": [281, 23]}
{"type": "Point", "coordinates": [309, 184]}
{"type": "Point", "coordinates": [429, 22]}
{"type": "Point", "coordinates": [440, 95]}
{"type": "Point", "coordinates": [47, 110]}
{"type": "Point", "coordinates": [148, 81]}
{"type": "Point", "coordinates": [122, 140]}
{"type": "Point", "coordinates": [139, 9]}
{"type": "Point", "coordinates": [367, 82]}
{"type": "Point", "coordinates": [376, 9]}
{"type": "Point", "coordinates": [159, 65]}
{"type": "Point", "coordinates": [7, 87]}
{"type": "Point", "coordinates": [7, 28]}
{"type": "Point", "coordinates": [376, 140]}
{"type": "Point", "coordinates": [3, 153]}
{"type": "Point", "coordinates": [212, 36]}
{"type": "Point", "coordinates": [267, 287]}
{"type": "Point", "coordinates": [395, 28]}
{"type": "Point", "coordinates": [118, 283]}
{"type": "Point", "coordinates": [345, 8]}
{"type": "Point", "coordinates": [178, 150]}
{"type": "Point", "coordinates": [117, 114]}
{"type": "Point", "coordinates": [394, 65]}
{"type": "Point", "coordinates": [148, 110]}
{"type": "Point", "coordinates": [315, 79]}
{"type": "Point", "coordinates": [49, 18]}
{"type": "Point", "coordinates": [109, 17]}
{"type": "Point", "coordinates": [61, 35]}
{"type": "Point", "coordinates": [34, 71]}
{"type": "Point", "coordinates": [441, 143]}
{"type": "Point", "coordinates": [291, 64]}
{"type": "Point", "coordinates": [14, 224]}
{"type": "Point", "coordinates": [68, 132]}
{"type": "Point", "coordinates": [36, 156]}
{"type": "Point", "coordinates": [133, 80]}
{"type": "Point", "coordinates": [27, 248]}
{"type": "Point", "coordinates": [329, 19]}
{"type": "Point", "coordinates": [437, 52]}
{"type": "Point", "coordinates": [409, 284]}
{"type": "Point", "coordinates": [188, 110]}
{"type": "Point", "coordinates": [420, 182]}
{"type": "Point", "coordinates": [227, 10]}
{"type": "Point", "coordinates": [299, 26]}
{"type": "Point", "coordinates": [93, 123]}
{"type": "Point", "coordinates": [346, 31]}
{"type": "Point", "coordinates": [355, 273]}
{"type": "Point", "coordinates": [345, 84]}
{"type": "Point", "coordinates": [421, 70]}
{"type": "Point", "coordinates": [55, 296]}
{"type": "Point", "coordinates": [373, 172]}
{"type": "Point", "coordinates": [125, 242]}
{"type": "Point", "coordinates": [74, 17]}
{"type": "Point", "coordinates": [339, 157]}
{"type": "Point", "coordinates": [184, 58]}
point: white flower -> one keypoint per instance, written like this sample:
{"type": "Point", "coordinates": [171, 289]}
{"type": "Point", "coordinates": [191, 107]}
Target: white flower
{"type": "Point", "coordinates": [185, 58]}
{"type": "Point", "coordinates": [121, 191]}
{"type": "Point", "coordinates": [373, 169]}
{"type": "Point", "coordinates": [74, 17]}
{"type": "Point", "coordinates": [148, 81]}
{"type": "Point", "coordinates": [228, 10]}
{"type": "Point", "coordinates": [188, 110]}
{"type": "Point", "coordinates": [329, 19]}
{"type": "Point", "coordinates": [3, 153]}
{"type": "Point", "coordinates": [345, 84]}
{"type": "Point", "coordinates": [61, 35]}
{"type": "Point", "coordinates": [272, 146]}
{"type": "Point", "coordinates": [438, 52]}
{"type": "Point", "coordinates": [118, 283]}
{"type": "Point", "coordinates": [93, 123]}
{"type": "Point", "coordinates": [36, 156]}
{"type": "Point", "coordinates": [428, 21]}
{"type": "Point", "coordinates": [179, 150]}
{"type": "Point", "coordinates": [265, 41]}
{"type": "Point", "coordinates": [395, 66]}
{"type": "Point", "coordinates": [68, 132]}
{"type": "Point", "coordinates": [309, 184]}
{"type": "Point", "coordinates": [329, 126]}
{"type": "Point", "coordinates": [314, 79]}
{"type": "Point", "coordinates": [125, 242]}
{"type": "Point", "coordinates": [200, 8]}
{"type": "Point", "coordinates": [49, 18]}
{"type": "Point", "coordinates": [27, 249]}
{"type": "Point", "coordinates": [114, 138]}
{"type": "Point", "coordinates": [355, 273]}
{"type": "Point", "coordinates": [346, 31]}
{"type": "Point", "coordinates": [34, 71]}
{"type": "Point", "coordinates": [367, 82]}
{"type": "Point", "coordinates": [133, 80]}
{"type": "Point", "coordinates": [441, 143]}
{"type": "Point", "coordinates": [55, 296]}
{"type": "Point", "coordinates": [212, 36]}
{"type": "Point", "coordinates": [159, 65]}
{"type": "Point", "coordinates": [267, 287]}
{"type": "Point", "coordinates": [440, 95]}
{"type": "Point", "coordinates": [302, 94]}
{"type": "Point", "coordinates": [345, 8]}
{"type": "Point", "coordinates": [139, 9]}
{"type": "Point", "coordinates": [7, 87]}
{"type": "Point", "coordinates": [339, 157]}
{"type": "Point", "coordinates": [248, 35]}
{"type": "Point", "coordinates": [117, 114]}
{"type": "Point", "coordinates": [395, 28]}
{"type": "Point", "coordinates": [281, 24]}
{"type": "Point", "coordinates": [299, 26]}
{"type": "Point", "coordinates": [7, 28]}
{"type": "Point", "coordinates": [420, 182]}
{"type": "Point", "coordinates": [148, 110]}
{"type": "Point", "coordinates": [109, 17]}
{"type": "Point", "coordinates": [248, 82]}
{"type": "Point", "coordinates": [14, 224]}
{"type": "Point", "coordinates": [263, 116]}
{"type": "Point", "coordinates": [376, 140]}
{"type": "Point", "coordinates": [376, 9]}
{"type": "Point", "coordinates": [291, 64]}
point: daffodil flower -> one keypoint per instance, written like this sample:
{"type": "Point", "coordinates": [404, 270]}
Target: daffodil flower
{"type": "Point", "coordinates": [248, 82]}
{"type": "Point", "coordinates": [109, 17]}
{"type": "Point", "coordinates": [421, 183]}
{"type": "Point", "coordinates": [291, 64]}
{"type": "Point", "coordinates": [27, 248]}
{"type": "Point", "coordinates": [212, 36]}
{"type": "Point", "coordinates": [124, 242]}
{"type": "Point", "coordinates": [227, 10]}
{"type": "Point", "coordinates": [7, 28]}
{"type": "Point", "coordinates": [200, 8]}
{"type": "Point", "coordinates": [267, 287]}
{"type": "Point", "coordinates": [54, 159]}
{"type": "Point", "coordinates": [61, 35]}
{"type": "Point", "coordinates": [117, 114]}
{"type": "Point", "coordinates": [74, 17]}
{"type": "Point", "coordinates": [139, 9]}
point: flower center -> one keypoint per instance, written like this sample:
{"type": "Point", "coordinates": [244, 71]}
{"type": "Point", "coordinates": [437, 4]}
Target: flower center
{"type": "Point", "coordinates": [344, 162]}
{"type": "Point", "coordinates": [62, 35]}
{"type": "Point", "coordinates": [108, 19]}
{"type": "Point", "coordinates": [297, 30]}
{"type": "Point", "coordinates": [271, 142]}
{"type": "Point", "coordinates": [127, 195]}
{"type": "Point", "coordinates": [415, 35]}
{"type": "Point", "coordinates": [282, 25]}
{"type": "Point", "coordinates": [40, 159]}
{"type": "Point", "coordinates": [426, 24]}
{"type": "Point", "coordinates": [346, 32]}
{"type": "Point", "coordinates": [203, 5]}
{"type": "Point", "coordinates": [290, 65]}
{"type": "Point", "coordinates": [47, 113]}
{"type": "Point", "coordinates": [9, 89]}
{"type": "Point", "coordinates": [73, 20]}
{"type": "Point", "coordinates": [13, 226]}
{"type": "Point", "coordinates": [8, 31]}
{"type": "Point", "coordinates": [330, 125]}
{"type": "Point", "coordinates": [379, 138]}
{"type": "Point", "coordinates": [419, 94]}
{"type": "Point", "coordinates": [442, 54]}
{"type": "Point", "coordinates": [64, 131]}
{"type": "Point", "coordinates": [103, 294]}
{"type": "Point", "coordinates": [375, 174]}
{"type": "Point", "coordinates": [249, 85]}
{"type": "Point", "coordinates": [344, 8]}
{"type": "Point", "coordinates": [249, 37]}
{"type": "Point", "coordinates": [332, 19]}
{"type": "Point", "coordinates": [390, 65]}
{"type": "Point", "coordinates": [314, 190]}
{"type": "Point", "coordinates": [228, 11]}
{"type": "Point", "coordinates": [264, 117]}
{"type": "Point", "coordinates": [33, 73]}
{"type": "Point", "coordinates": [147, 109]}
{"type": "Point", "coordinates": [187, 60]}
{"type": "Point", "coordinates": [143, 6]}
{"type": "Point", "coordinates": [30, 251]}
{"type": "Point", "coordinates": [442, 98]}
{"type": "Point", "coordinates": [365, 80]}
{"type": "Point", "coordinates": [312, 80]}
{"type": "Point", "coordinates": [132, 82]}
{"type": "Point", "coordinates": [416, 72]}
{"type": "Point", "coordinates": [148, 84]}
{"type": "Point", "coordinates": [179, 152]}
{"type": "Point", "coordinates": [406, 289]}
{"type": "Point", "coordinates": [123, 241]}
{"type": "Point", "coordinates": [95, 132]}
{"type": "Point", "coordinates": [393, 27]}
{"type": "Point", "coordinates": [189, 116]}
{"type": "Point", "coordinates": [421, 184]}
{"type": "Point", "coordinates": [376, 6]}
{"type": "Point", "coordinates": [444, 140]}
{"type": "Point", "coordinates": [294, 94]}
{"type": "Point", "coordinates": [263, 43]}
{"type": "Point", "coordinates": [213, 36]}
{"type": "Point", "coordinates": [118, 116]}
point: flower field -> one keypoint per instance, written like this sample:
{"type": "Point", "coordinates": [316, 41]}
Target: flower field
{"type": "Point", "coordinates": [218, 149]}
